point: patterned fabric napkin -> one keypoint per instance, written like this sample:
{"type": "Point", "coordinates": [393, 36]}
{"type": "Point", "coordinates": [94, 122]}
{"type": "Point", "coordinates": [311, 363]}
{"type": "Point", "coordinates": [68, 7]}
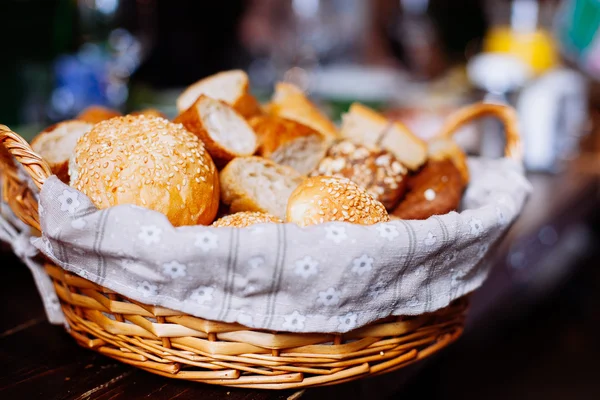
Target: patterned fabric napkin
{"type": "Point", "coordinates": [332, 277]}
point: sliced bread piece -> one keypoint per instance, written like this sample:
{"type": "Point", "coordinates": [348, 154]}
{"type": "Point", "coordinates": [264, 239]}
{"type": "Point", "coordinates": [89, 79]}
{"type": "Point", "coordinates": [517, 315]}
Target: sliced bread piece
{"type": "Point", "coordinates": [257, 184]}
{"type": "Point", "coordinates": [56, 145]}
{"type": "Point", "coordinates": [289, 143]}
{"type": "Point", "coordinates": [232, 87]}
{"type": "Point", "coordinates": [289, 102]}
{"type": "Point", "coordinates": [225, 133]}
{"type": "Point", "coordinates": [365, 126]}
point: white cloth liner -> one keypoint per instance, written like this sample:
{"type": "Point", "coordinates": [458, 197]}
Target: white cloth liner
{"type": "Point", "coordinates": [333, 277]}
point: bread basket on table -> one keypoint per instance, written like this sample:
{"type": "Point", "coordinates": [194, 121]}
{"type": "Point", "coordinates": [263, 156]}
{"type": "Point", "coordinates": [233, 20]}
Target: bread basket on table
{"type": "Point", "coordinates": [272, 306]}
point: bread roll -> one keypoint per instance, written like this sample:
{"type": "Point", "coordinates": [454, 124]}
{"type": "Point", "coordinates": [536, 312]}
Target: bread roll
{"type": "Point", "coordinates": [95, 114]}
{"type": "Point", "coordinates": [367, 127]}
{"type": "Point", "coordinates": [257, 184]}
{"type": "Point", "coordinates": [290, 103]}
{"type": "Point", "coordinates": [289, 143]}
{"type": "Point", "coordinates": [151, 112]}
{"type": "Point", "coordinates": [375, 170]}
{"type": "Point", "coordinates": [246, 218]}
{"type": "Point", "coordinates": [435, 190]}
{"type": "Point", "coordinates": [149, 162]}
{"type": "Point", "coordinates": [56, 145]}
{"type": "Point", "coordinates": [322, 199]}
{"type": "Point", "coordinates": [224, 132]}
{"type": "Point", "coordinates": [440, 149]}
{"type": "Point", "coordinates": [232, 87]}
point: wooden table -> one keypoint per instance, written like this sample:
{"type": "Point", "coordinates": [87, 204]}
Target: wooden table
{"type": "Point", "coordinates": [38, 360]}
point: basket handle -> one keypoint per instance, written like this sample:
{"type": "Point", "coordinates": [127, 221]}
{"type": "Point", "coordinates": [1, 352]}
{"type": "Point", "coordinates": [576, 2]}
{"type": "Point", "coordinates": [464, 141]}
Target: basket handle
{"type": "Point", "coordinates": [18, 147]}
{"type": "Point", "coordinates": [506, 114]}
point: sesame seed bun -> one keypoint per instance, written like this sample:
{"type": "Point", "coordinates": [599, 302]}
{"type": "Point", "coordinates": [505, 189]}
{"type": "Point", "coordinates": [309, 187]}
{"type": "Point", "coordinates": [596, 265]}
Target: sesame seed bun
{"type": "Point", "coordinates": [322, 199]}
{"type": "Point", "coordinates": [95, 114]}
{"type": "Point", "coordinates": [246, 218]}
{"type": "Point", "coordinates": [150, 112]}
{"type": "Point", "coordinates": [224, 132]}
{"type": "Point", "coordinates": [149, 162]}
{"type": "Point", "coordinates": [375, 170]}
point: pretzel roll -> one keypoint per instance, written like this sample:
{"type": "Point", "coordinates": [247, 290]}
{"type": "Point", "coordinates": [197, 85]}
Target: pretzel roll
{"type": "Point", "coordinates": [95, 114]}
{"type": "Point", "coordinates": [436, 189]}
{"type": "Point", "coordinates": [246, 218]}
{"type": "Point", "coordinates": [289, 143]}
{"type": "Point", "coordinates": [149, 162]}
{"type": "Point", "coordinates": [322, 199]}
{"type": "Point", "coordinates": [375, 170]}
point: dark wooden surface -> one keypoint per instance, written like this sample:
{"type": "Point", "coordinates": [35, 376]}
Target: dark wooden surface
{"type": "Point", "coordinates": [38, 360]}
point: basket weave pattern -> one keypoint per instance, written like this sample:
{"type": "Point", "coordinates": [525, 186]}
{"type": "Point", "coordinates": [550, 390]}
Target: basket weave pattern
{"type": "Point", "coordinates": [176, 345]}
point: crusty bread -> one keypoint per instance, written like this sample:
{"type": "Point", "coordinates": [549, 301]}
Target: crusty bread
{"type": "Point", "coordinates": [245, 218]}
{"type": "Point", "coordinates": [232, 87]}
{"type": "Point", "coordinates": [367, 127]}
{"type": "Point", "coordinates": [435, 190]}
{"type": "Point", "coordinates": [257, 184]}
{"type": "Point", "coordinates": [95, 114]}
{"type": "Point", "coordinates": [225, 133]}
{"type": "Point", "coordinates": [151, 112]}
{"type": "Point", "coordinates": [56, 145]}
{"type": "Point", "coordinates": [322, 199]}
{"type": "Point", "coordinates": [289, 143]}
{"type": "Point", "coordinates": [149, 162]}
{"type": "Point", "coordinates": [440, 149]}
{"type": "Point", "coordinates": [290, 103]}
{"type": "Point", "coordinates": [375, 170]}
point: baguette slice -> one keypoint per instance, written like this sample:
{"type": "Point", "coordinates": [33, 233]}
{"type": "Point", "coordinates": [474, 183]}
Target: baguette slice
{"type": "Point", "coordinates": [289, 102]}
{"type": "Point", "coordinates": [56, 145]}
{"type": "Point", "coordinates": [365, 126]}
{"type": "Point", "coordinates": [232, 87]}
{"type": "Point", "coordinates": [257, 184]}
{"type": "Point", "coordinates": [225, 133]}
{"type": "Point", "coordinates": [289, 143]}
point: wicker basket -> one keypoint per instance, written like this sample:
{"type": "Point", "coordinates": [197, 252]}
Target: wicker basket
{"type": "Point", "coordinates": [180, 346]}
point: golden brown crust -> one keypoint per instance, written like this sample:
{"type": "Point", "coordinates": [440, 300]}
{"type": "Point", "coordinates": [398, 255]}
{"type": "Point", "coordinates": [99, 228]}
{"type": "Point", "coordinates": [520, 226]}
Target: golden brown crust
{"type": "Point", "coordinates": [150, 112]}
{"type": "Point", "coordinates": [446, 149]}
{"type": "Point", "coordinates": [149, 162]}
{"type": "Point", "coordinates": [194, 120]}
{"type": "Point", "coordinates": [288, 142]}
{"type": "Point", "coordinates": [95, 114]}
{"type": "Point", "coordinates": [375, 170]}
{"type": "Point", "coordinates": [55, 139]}
{"type": "Point", "coordinates": [247, 105]}
{"type": "Point", "coordinates": [290, 103]}
{"type": "Point", "coordinates": [246, 218]}
{"type": "Point", "coordinates": [435, 190]}
{"type": "Point", "coordinates": [323, 199]}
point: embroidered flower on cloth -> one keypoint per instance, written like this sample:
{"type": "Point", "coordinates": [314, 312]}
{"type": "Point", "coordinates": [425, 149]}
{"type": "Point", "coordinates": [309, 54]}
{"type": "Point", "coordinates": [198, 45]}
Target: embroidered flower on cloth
{"type": "Point", "coordinates": [256, 262]}
{"type": "Point", "coordinates": [430, 239]}
{"type": "Point", "coordinates": [150, 234]}
{"type": "Point", "coordinates": [378, 289]}
{"type": "Point", "coordinates": [336, 233]}
{"type": "Point", "coordinates": [202, 295]}
{"type": "Point", "coordinates": [68, 201]}
{"type": "Point", "coordinates": [293, 322]}
{"type": "Point", "coordinates": [306, 267]}
{"type": "Point", "coordinates": [362, 264]}
{"type": "Point", "coordinates": [330, 297]}
{"type": "Point", "coordinates": [347, 322]}
{"type": "Point", "coordinates": [476, 226]}
{"type": "Point", "coordinates": [388, 231]}
{"type": "Point", "coordinates": [174, 269]}
{"type": "Point", "coordinates": [206, 241]}
{"type": "Point", "coordinates": [147, 289]}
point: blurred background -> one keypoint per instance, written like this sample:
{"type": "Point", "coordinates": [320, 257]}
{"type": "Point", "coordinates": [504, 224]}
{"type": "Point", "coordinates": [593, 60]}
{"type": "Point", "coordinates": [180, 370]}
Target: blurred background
{"type": "Point", "coordinates": [532, 329]}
